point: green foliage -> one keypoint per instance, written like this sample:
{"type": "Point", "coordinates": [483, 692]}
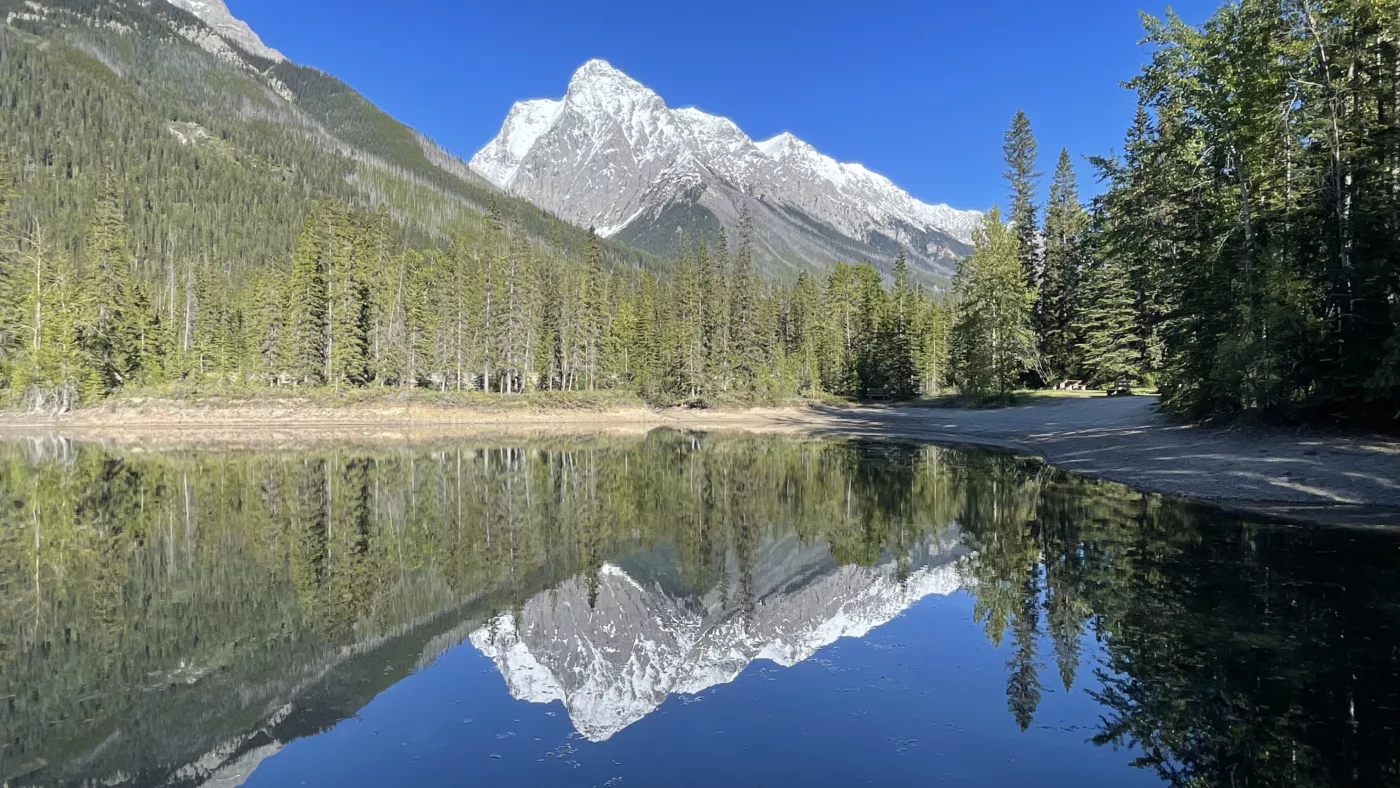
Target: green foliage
{"type": "Point", "coordinates": [1021, 152]}
{"type": "Point", "coordinates": [1111, 346]}
{"type": "Point", "coordinates": [1066, 223]}
{"type": "Point", "coordinates": [993, 341]}
{"type": "Point", "coordinates": [1253, 210]}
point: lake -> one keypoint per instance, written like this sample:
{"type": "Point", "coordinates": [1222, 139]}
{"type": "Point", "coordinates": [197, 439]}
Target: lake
{"type": "Point", "coordinates": [677, 609]}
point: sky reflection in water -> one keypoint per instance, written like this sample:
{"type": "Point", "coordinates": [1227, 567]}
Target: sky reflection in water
{"type": "Point", "coordinates": [679, 610]}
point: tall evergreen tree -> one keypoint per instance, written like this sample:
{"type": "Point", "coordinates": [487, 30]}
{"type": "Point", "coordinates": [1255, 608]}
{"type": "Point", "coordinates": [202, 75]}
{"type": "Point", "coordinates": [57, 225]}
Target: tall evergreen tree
{"type": "Point", "coordinates": [1107, 327]}
{"type": "Point", "coordinates": [303, 342]}
{"type": "Point", "coordinates": [933, 347]}
{"type": "Point", "coordinates": [1021, 153]}
{"type": "Point", "coordinates": [593, 308]}
{"type": "Point", "coordinates": [716, 305]}
{"type": "Point", "coordinates": [1066, 224]}
{"type": "Point", "coordinates": [746, 341]}
{"type": "Point", "coordinates": [993, 337]}
{"type": "Point", "coordinates": [897, 343]}
{"type": "Point", "coordinates": [112, 338]}
{"type": "Point", "coordinates": [806, 333]}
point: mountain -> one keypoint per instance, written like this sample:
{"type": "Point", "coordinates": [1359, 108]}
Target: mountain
{"type": "Point", "coordinates": [615, 660]}
{"type": "Point", "coordinates": [218, 143]}
{"type": "Point", "coordinates": [216, 15]}
{"type": "Point", "coordinates": [612, 155]}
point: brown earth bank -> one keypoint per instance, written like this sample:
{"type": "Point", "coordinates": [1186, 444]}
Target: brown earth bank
{"type": "Point", "coordinates": [1288, 475]}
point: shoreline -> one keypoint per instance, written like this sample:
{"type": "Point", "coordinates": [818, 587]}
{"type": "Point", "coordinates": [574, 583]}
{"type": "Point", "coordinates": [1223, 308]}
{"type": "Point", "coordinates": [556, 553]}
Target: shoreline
{"type": "Point", "coordinates": [1285, 475]}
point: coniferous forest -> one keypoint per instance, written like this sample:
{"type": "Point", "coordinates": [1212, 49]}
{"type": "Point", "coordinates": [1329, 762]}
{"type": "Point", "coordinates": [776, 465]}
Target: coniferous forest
{"type": "Point", "coordinates": [1240, 256]}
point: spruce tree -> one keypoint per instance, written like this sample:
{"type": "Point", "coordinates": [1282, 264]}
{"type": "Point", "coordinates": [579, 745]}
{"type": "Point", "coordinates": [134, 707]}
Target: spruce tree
{"type": "Point", "coordinates": [689, 318]}
{"type": "Point", "coordinates": [715, 279]}
{"type": "Point", "coordinates": [349, 308]}
{"type": "Point", "coordinates": [12, 277]}
{"type": "Point", "coordinates": [897, 348]}
{"type": "Point", "coordinates": [1066, 223]}
{"type": "Point", "coordinates": [806, 333]}
{"type": "Point", "coordinates": [993, 336]}
{"type": "Point", "coordinates": [304, 339]}
{"type": "Point", "coordinates": [112, 337]}
{"type": "Point", "coordinates": [1109, 343]}
{"type": "Point", "coordinates": [593, 311]}
{"type": "Point", "coordinates": [1021, 153]}
{"type": "Point", "coordinates": [745, 337]}
{"type": "Point", "coordinates": [933, 348]}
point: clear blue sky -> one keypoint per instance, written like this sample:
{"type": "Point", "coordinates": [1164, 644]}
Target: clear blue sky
{"type": "Point", "coordinates": [920, 91]}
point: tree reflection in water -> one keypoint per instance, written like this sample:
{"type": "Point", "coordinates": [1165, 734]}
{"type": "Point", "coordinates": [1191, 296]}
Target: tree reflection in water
{"type": "Point", "coordinates": [166, 612]}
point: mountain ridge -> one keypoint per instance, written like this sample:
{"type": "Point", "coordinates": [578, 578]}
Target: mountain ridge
{"type": "Point", "coordinates": [216, 15]}
{"type": "Point", "coordinates": [612, 155]}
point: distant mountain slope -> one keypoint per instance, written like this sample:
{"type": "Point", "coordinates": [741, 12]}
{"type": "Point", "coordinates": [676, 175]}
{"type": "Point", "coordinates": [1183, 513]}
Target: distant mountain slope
{"type": "Point", "coordinates": [611, 154]}
{"type": "Point", "coordinates": [219, 143]}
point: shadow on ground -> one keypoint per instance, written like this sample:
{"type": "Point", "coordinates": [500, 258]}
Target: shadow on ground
{"type": "Point", "coordinates": [1289, 475]}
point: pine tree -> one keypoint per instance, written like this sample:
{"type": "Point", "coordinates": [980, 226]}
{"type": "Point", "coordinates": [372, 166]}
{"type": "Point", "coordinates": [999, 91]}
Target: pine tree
{"type": "Point", "coordinates": [593, 308]}
{"type": "Point", "coordinates": [897, 345]}
{"type": "Point", "coordinates": [303, 342]}
{"type": "Point", "coordinates": [112, 339]}
{"type": "Point", "coordinates": [1066, 223]}
{"type": "Point", "coordinates": [745, 336]}
{"type": "Point", "coordinates": [1021, 153]}
{"type": "Point", "coordinates": [993, 337]}
{"type": "Point", "coordinates": [1110, 343]}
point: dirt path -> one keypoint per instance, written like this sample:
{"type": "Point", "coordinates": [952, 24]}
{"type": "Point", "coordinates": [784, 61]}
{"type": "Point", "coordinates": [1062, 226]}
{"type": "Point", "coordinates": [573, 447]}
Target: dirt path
{"type": "Point", "coordinates": [1290, 474]}
{"type": "Point", "coordinates": [1294, 475]}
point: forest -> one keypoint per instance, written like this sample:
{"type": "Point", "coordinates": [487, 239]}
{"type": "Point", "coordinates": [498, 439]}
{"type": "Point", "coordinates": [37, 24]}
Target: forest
{"type": "Point", "coordinates": [1240, 256]}
{"type": "Point", "coordinates": [1243, 254]}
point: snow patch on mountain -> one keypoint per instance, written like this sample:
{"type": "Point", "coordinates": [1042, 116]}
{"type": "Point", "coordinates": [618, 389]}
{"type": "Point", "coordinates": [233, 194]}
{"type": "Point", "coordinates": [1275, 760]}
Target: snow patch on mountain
{"type": "Point", "coordinates": [501, 157]}
{"type": "Point", "coordinates": [217, 16]}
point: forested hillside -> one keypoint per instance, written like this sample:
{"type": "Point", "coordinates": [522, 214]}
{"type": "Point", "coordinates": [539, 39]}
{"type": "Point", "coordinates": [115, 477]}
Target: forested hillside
{"type": "Point", "coordinates": [176, 215]}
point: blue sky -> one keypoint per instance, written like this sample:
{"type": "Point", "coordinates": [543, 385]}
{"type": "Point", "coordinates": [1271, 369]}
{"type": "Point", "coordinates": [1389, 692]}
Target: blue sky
{"type": "Point", "coordinates": [919, 91]}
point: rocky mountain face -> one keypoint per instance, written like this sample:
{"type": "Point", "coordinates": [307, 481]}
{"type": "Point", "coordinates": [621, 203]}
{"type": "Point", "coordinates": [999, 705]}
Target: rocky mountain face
{"type": "Point", "coordinates": [612, 155]}
{"type": "Point", "coordinates": [217, 16]}
{"type": "Point", "coordinates": [615, 661]}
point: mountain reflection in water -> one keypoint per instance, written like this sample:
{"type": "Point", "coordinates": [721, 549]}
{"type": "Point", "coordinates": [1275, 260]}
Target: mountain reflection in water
{"type": "Point", "coordinates": [216, 616]}
{"type": "Point", "coordinates": [614, 661]}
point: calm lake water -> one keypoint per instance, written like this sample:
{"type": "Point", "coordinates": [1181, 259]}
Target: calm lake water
{"type": "Point", "coordinates": [674, 610]}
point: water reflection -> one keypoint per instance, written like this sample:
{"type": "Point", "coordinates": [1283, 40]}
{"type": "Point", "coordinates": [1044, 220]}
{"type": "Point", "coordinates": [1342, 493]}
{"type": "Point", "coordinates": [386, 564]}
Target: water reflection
{"type": "Point", "coordinates": [179, 617]}
{"type": "Point", "coordinates": [643, 637]}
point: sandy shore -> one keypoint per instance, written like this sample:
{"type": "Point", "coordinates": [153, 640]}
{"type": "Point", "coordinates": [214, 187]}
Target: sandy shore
{"type": "Point", "coordinates": [1291, 475]}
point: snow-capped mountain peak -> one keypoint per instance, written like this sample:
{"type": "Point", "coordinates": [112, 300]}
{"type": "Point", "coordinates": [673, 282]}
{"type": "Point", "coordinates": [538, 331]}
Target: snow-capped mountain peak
{"type": "Point", "coordinates": [217, 16]}
{"type": "Point", "coordinates": [786, 144]}
{"type": "Point", "coordinates": [612, 155]}
{"type": "Point", "coordinates": [597, 84]}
